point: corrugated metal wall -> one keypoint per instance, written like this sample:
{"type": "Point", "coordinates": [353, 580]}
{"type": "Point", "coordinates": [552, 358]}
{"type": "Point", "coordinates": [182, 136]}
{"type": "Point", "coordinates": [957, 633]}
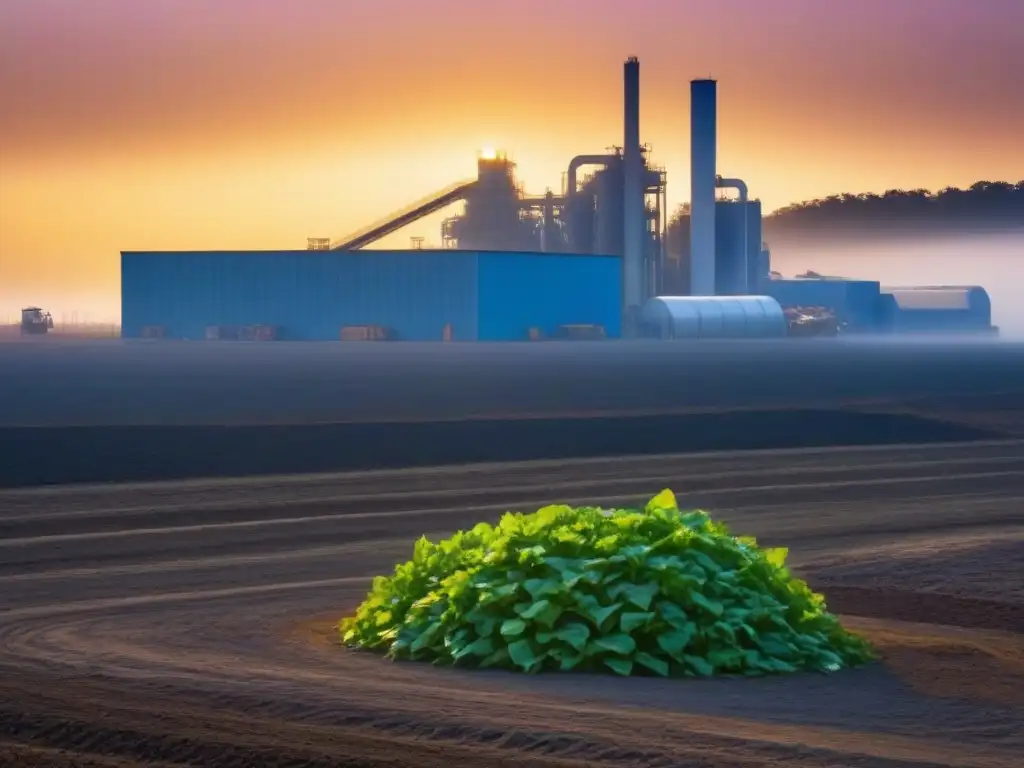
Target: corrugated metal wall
{"type": "Point", "coordinates": [309, 294]}
{"type": "Point", "coordinates": [518, 291]}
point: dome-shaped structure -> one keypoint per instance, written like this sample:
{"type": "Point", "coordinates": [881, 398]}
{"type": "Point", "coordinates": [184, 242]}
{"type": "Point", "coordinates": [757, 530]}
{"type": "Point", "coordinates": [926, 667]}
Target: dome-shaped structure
{"type": "Point", "coordinates": [718, 317]}
{"type": "Point", "coordinates": [949, 308]}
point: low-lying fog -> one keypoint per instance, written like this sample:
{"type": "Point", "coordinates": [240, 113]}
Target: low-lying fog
{"type": "Point", "coordinates": [995, 262]}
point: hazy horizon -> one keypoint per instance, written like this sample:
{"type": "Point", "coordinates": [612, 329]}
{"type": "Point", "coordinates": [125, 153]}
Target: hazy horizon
{"type": "Point", "coordinates": [991, 261]}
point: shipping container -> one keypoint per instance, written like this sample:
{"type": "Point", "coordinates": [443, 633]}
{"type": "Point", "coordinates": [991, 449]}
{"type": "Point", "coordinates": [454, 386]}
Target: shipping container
{"type": "Point", "coordinates": [416, 295]}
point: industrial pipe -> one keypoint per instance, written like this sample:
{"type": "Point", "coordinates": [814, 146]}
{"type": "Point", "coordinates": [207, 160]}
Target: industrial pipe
{"type": "Point", "coordinates": [741, 187]}
{"type": "Point", "coordinates": [738, 184]}
{"type": "Point", "coordinates": [578, 162]}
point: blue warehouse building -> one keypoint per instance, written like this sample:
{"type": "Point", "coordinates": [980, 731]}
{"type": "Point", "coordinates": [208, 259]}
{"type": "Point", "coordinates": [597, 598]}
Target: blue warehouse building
{"type": "Point", "coordinates": [936, 309]}
{"type": "Point", "coordinates": [311, 294]}
{"type": "Point", "coordinates": [854, 301]}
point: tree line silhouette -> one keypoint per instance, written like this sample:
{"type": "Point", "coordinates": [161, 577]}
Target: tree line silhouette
{"type": "Point", "coordinates": [992, 206]}
{"type": "Point", "coordinates": [985, 205]}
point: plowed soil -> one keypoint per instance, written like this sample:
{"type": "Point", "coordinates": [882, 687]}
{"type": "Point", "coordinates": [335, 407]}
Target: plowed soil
{"type": "Point", "coordinates": [191, 623]}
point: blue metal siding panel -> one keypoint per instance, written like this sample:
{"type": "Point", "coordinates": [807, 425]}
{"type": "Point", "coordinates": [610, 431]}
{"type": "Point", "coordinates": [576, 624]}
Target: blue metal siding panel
{"type": "Point", "coordinates": [856, 301]}
{"type": "Point", "coordinates": [308, 294]}
{"type": "Point", "coordinates": [937, 320]}
{"type": "Point", "coordinates": [977, 315]}
{"type": "Point", "coordinates": [519, 291]}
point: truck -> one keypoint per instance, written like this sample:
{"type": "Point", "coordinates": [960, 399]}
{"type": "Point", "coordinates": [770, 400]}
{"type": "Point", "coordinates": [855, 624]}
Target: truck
{"type": "Point", "coordinates": [34, 321]}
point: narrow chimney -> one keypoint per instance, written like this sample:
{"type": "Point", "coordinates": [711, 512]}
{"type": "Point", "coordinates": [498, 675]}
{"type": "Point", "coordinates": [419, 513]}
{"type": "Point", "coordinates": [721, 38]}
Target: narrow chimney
{"type": "Point", "coordinates": [703, 150]}
{"type": "Point", "coordinates": [633, 190]}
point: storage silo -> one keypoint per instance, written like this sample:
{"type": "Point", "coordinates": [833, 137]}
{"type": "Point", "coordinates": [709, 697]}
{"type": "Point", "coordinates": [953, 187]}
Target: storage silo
{"type": "Point", "coordinates": [737, 246]}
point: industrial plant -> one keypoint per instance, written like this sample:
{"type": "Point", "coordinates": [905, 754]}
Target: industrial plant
{"type": "Point", "coordinates": [588, 262]}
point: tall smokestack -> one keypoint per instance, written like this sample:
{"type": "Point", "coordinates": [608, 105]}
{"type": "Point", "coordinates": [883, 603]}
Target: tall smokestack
{"type": "Point", "coordinates": [703, 151]}
{"type": "Point", "coordinates": [633, 189]}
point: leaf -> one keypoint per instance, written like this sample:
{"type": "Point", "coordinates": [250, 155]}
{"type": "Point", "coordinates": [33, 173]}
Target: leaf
{"type": "Point", "coordinates": [533, 610]}
{"type": "Point", "coordinates": [497, 593]}
{"type": "Point", "coordinates": [630, 621]}
{"type": "Point", "coordinates": [723, 631]}
{"type": "Point", "coordinates": [620, 666]}
{"type": "Point", "coordinates": [636, 553]}
{"type": "Point", "coordinates": [538, 588]}
{"type": "Point", "coordinates": [486, 626]}
{"type": "Point", "coordinates": [619, 643]}
{"type": "Point", "coordinates": [658, 666]}
{"type": "Point", "coordinates": [565, 565]}
{"type": "Point", "coordinates": [639, 595]}
{"type": "Point", "coordinates": [551, 614]}
{"type": "Point", "coordinates": [512, 627]}
{"type": "Point", "coordinates": [389, 634]}
{"type": "Point", "coordinates": [774, 665]}
{"type": "Point", "coordinates": [674, 615]}
{"type": "Point", "coordinates": [483, 646]}
{"type": "Point", "coordinates": [776, 557]}
{"type": "Point", "coordinates": [570, 661]}
{"type": "Point", "coordinates": [593, 610]}
{"type": "Point", "coordinates": [499, 658]}
{"type": "Point", "coordinates": [673, 643]}
{"type": "Point", "coordinates": [521, 653]}
{"type": "Point", "coordinates": [575, 634]}
{"type": "Point", "coordinates": [713, 607]}
{"type": "Point", "coordinates": [531, 553]}
{"type": "Point", "coordinates": [666, 500]}
{"type": "Point", "coordinates": [699, 666]}
{"type": "Point", "coordinates": [726, 659]}
{"type": "Point", "coordinates": [664, 562]}
{"type": "Point", "coordinates": [547, 515]}
{"type": "Point", "coordinates": [705, 562]}
{"type": "Point", "coordinates": [426, 637]}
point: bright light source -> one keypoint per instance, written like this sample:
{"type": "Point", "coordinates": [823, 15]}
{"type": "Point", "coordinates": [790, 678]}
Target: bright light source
{"type": "Point", "coordinates": [489, 153]}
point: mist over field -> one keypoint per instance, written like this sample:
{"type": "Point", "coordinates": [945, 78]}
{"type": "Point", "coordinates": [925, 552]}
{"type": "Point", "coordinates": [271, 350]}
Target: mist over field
{"type": "Point", "coordinates": [993, 261]}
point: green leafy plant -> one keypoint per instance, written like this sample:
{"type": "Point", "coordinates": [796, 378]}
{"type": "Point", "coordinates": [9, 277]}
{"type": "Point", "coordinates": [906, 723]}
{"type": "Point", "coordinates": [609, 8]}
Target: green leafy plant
{"type": "Point", "coordinates": [653, 591]}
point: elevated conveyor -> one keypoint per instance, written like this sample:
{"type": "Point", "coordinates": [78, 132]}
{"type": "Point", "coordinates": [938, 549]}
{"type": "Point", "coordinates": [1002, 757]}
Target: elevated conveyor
{"type": "Point", "coordinates": [392, 223]}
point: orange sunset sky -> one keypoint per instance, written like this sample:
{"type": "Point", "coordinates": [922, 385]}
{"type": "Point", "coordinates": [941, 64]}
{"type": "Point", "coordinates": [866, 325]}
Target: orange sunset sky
{"type": "Point", "coordinates": [193, 124]}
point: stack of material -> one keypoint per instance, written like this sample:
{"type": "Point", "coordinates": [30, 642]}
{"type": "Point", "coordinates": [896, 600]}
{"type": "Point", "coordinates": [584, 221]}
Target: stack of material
{"type": "Point", "coordinates": [811, 321]}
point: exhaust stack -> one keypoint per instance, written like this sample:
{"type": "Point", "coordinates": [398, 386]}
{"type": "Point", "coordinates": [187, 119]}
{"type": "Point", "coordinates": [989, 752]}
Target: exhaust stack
{"type": "Point", "coordinates": [633, 189]}
{"type": "Point", "coordinates": [703, 161]}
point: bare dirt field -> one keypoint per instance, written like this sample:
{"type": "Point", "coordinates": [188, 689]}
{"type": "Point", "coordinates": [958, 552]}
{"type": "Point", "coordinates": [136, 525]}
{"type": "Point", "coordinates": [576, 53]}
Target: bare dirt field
{"type": "Point", "coordinates": [191, 623]}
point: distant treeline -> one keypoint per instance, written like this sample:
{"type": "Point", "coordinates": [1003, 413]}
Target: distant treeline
{"type": "Point", "coordinates": [984, 206]}
{"type": "Point", "coordinates": [992, 206]}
